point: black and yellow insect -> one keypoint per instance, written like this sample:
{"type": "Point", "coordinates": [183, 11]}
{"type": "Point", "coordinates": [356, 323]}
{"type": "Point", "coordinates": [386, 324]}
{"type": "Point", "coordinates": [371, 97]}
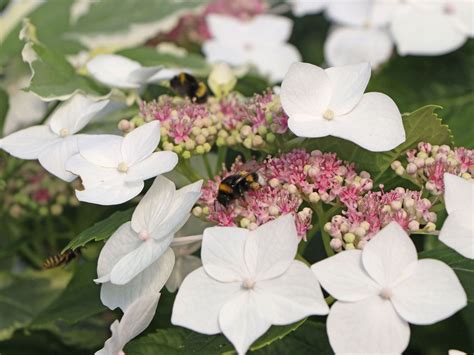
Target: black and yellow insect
{"type": "Point", "coordinates": [185, 84]}
{"type": "Point", "coordinates": [60, 259]}
{"type": "Point", "coordinates": [234, 186]}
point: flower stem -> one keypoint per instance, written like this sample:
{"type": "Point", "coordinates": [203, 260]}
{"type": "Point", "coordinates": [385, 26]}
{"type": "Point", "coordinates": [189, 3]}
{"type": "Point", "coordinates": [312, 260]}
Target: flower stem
{"type": "Point", "coordinates": [322, 219]}
{"type": "Point", "coordinates": [207, 165]}
{"type": "Point", "coordinates": [221, 156]}
{"type": "Point", "coordinates": [330, 300]}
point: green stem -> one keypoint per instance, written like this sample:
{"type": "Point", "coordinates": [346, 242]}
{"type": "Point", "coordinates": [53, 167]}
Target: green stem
{"type": "Point", "coordinates": [191, 174]}
{"type": "Point", "coordinates": [322, 219]}
{"type": "Point", "coordinates": [50, 110]}
{"type": "Point", "coordinates": [330, 300]}
{"type": "Point", "coordinates": [221, 156]}
{"type": "Point", "coordinates": [208, 166]}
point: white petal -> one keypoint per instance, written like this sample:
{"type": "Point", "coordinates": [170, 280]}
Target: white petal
{"type": "Point", "coordinates": [183, 267]}
{"type": "Point", "coordinates": [113, 70]}
{"type": "Point", "coordinates": [74, 114]}
{"type": "Point", "coordinates": [154, 206]}
{"type": "Point", "coordinates": [435, 32]}
{"type": "Point", "coordinates": [110, 194]}
{"type": "Point", "coordinates": [292, 296]}
{"type": "Point", "coordinates": [271, 248]}
{"type": "Point", "coordinates": [199, 301]}
{"type": "Point", "coordinates": [388, 254]}
{"type": "Point", "coordinates": [143, 75]}
{"type": "Point", "coordinates": [216, 51]}
{"type": "Point", "coordinates": [242, 321]}
{"type": "Point", "coordinates": [179, 211]}
{"type": "Point", "coordinates": [138, 260]}
{"type": "Point", "coordinates": [222, 28]}
{"type": "Point", "coordinates": [351, 45]}
{"type": "Point", "coordinates": [432, 293]}
{"type": "Point", "coordinates": [222, 253]}
{"type": "Point", "coordinates": [28, 143]}
{"type": "Point", "coordinates": [375, 124]}
{"type": "Point", "coordinates": [140, 143]}
{"type": "Point", "coordinates": [138, 316]}
{"type": "Point", "coordinates": [155, 164]}
{"type": "Point", "coordinates": [315, 127]}
{"type": "Point", "coordinates": [283, 56]}
{"type": "Point", "coordinates": [101, 149]}
{"type": "Point", "coordinates": [304, 7]}
{"type": "Point", "coordinates": [305, 92]}
{"type": "Point", "coordinates": [458, 194]}
{"type": "Point", "coordinates": [458, 233]}
{"type": "Point", "coordinates": [54, 157]}
{"type": "Point", "coordinates": [149, 282]}
{"type": "Point", "coordinates": [348, 85]}
{"type": "Point", "coordinates": [91, 174]}
{"type": "Point", "coordinates": [343, 276]}
{"type": "Point", "coordinates": [465, 13]}
{"type": "Point", "coordinates": [354, 12]}
{"type": "Point", "coordinates": [267, 28]}
{"type": "Point", "coordinates": [370, 326]}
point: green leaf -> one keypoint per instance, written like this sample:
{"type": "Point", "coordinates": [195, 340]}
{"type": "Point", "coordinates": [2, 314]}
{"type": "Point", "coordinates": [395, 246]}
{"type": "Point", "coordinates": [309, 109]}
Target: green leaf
{"type": "Point", "coordinates": [53, 78]}
{"type": "Point", "coordinates": [148, 56]}
{"type": "Point", "coordinates": [182, 341]}
{"type": "Point", "coordinates": [109, 16]}
{"type": "Point", "coordinates": [3, 108]}
{"type": "Point", "coordinates": [308, 339]}
{"type": "Point", "coordinates": [101, 230]}
{"type": "Point", "coordinates": [420, 125]}
{"type": "Point", "coordinates": [446, 80]}
{"type": "Point", "coordinates": [79, 300]}
{"type": "Point", "coordinates": [23, 296]}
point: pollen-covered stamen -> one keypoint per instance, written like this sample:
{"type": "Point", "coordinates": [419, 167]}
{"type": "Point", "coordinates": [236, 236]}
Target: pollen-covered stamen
{"type": "Point", "coordinates": [248, 284]}
{"type": "Point", "coordinates": [122, 167]}
{"type": "Point", "coordinates": [144, 235]}
{"type": "Point", "coordinates": [328, 114]}
{"type": "Point", "coordinates": [386, 293]}
{"type": "Point", "coordinates": [63, 132]}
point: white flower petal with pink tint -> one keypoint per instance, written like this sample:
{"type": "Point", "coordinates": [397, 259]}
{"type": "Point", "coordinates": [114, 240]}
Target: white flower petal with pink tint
{"type": "Point", "coordinates": [120, 72]}
{"type": "Point", "coordinates": [121, 164]}
{"type": "Point", "coordinates": [352, 45]}
{"type": "Point", "coordinates": [389, 288]}
{"type": "Point", "coordinates": [305, 7]}
{"type": "Point", "coordinates": [239, 42]}
{"type": "Point", "coordinates": [135, 320]}
{"type": "Point", "coordinates": [458, 229]}
{"type": "Point", "coordinates": [332, 102]}
{"type": "Point", "coordinates": [247, 283]}
{"type": "Point", "coordinates": [54, 143]}
{"type": "Point", "coordinates": [135, 247]}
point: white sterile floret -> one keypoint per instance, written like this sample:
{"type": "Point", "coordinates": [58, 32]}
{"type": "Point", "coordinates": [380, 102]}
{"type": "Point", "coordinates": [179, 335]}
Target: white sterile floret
{"type": "Point", "coordinates": [332, 102]}
{"type": "Point", "coordinates": [113, 168]}
{"type": "Point", "coordinates": [458, 229]}
{"type": "Point", "coordinates": [120, 72]}
{"type": "Point", "coordinates": [432, 27]}
{"type": "Point", "coordinates": [134, 321]}
{"type": "Point", "coordinates": [55, 142]}
{"type": "Point", "coordinates": [248, 282]}
{"type": "Point", "coordinates": [137, 259]}
{"type": "Point", "coordinates": [383, 288]}
{"type": "Point", "coordinates": [261, 41]}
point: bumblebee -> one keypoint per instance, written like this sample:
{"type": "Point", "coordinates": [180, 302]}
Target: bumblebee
{"type": "Point", "coordinates": [60, 259]}
{"type": "Point", "coordinates": [234, 186]}
{"type": "Point", "coordinates": [185, 84]}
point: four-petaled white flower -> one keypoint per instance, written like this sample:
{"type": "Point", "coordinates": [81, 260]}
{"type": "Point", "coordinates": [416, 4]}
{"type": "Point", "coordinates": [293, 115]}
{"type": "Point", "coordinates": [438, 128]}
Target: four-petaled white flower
{"type": "Point", "coordinates": [432, 27]}
{"type": "Point", "coordinates": [134, 321]}
{"type": "Point", "coordinates": [137, 259]}
{"type": "Point", "coordinates": [383, 288]}
{"type": "Point", "coordinates": [332, 102]}
{"type": "Point", "coordinates": [458, 229]}
{"type": "Point", "coordinates": [120, 72]}
{"type": "Point", "coordinates": [55, 142]}
{"type": "Point", "coordinates": [185, 262]}
{"type": "Point", "coordinates": [113, 168]}
{"type": "Point", "coordinates": [249, 281]}
{"type": "Point", "coordinates": [260, 41]}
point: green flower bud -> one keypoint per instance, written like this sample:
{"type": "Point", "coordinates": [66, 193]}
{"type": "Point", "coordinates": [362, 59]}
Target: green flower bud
{"type": "Point", "coordinates": [186, 154]}
{"type": "Point", "coordinates": [270, 137]}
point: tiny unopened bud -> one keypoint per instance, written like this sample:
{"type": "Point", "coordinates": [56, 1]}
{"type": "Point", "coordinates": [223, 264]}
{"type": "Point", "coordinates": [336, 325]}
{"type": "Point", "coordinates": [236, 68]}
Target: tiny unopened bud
{"type": "Point", "coordinates": [349, 237]}
{"type": "Point", "coordinates": [360, 232]}
{"type": "Point", "coordinates": [412, 169]}
{"type": "Point", "coordinates": [200, 139]}
{"type": "Point", "coordinates": [314, 197]}
{"type": "Point", "coordinates": [186, 154]}
{"type": "Point", "coordinates": [205, 210]}
{"type": "Point", "coordinates": [257, 141]}
{"type": "Point", "coordinates": [274, 182]}
{"type": "Point", "coordinates": [396, 205]}
{"type": "Point", "coordinates": [245, 131]}
{"type": "Point", "coordinates": [414, 226]}
{"type": "Point", "coordinates": [292, 189]}
{"type": "Point", "coordinates": [252, 226]}
{"type": "Point", "coordinates": [365, 225]}
{"type": "Point", "coordinates": [395, 165]}
{"type": "Point", "coordinates": [273, 210]}
{"type": "Point", "coordinates": [335, 244]}
{"type": "Point", "coordinates": [56, 209]}
{"type": "Point", "coordinates": [248, 142]}
{"type": "Point", "coordinates": [430, 227]}
{"type": "Point", "coordinates": [244, 222]}
{"type": "Point", "coordinates": [200, 149]}
{"type": "Point", "coordinates": [197, 211]}
{"type": "Point", "coordinates": [270, 137]}
{"type": "Point", "coordinates": [349, 246]}
{"type": "Point", "coordinates": [400, 170]}
{"type": "Point", "coordinates": [124, 125]}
